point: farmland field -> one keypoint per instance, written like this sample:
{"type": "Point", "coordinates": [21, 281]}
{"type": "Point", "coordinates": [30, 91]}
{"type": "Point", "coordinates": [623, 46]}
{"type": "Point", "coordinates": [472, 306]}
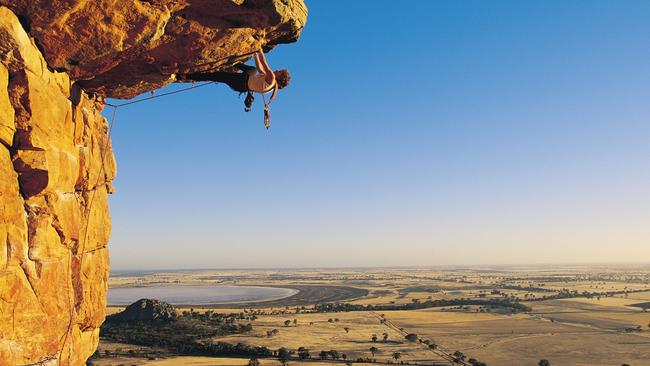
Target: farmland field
{"type": "Point", "coordinates": [505, 316]}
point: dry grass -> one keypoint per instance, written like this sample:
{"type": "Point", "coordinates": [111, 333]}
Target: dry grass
{"type": "Point", "coordinates": [572, 332]}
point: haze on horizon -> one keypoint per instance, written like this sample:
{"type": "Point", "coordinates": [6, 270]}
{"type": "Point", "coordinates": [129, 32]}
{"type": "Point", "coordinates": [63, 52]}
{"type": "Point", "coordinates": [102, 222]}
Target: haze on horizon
{"type": "Point", "coordinates": [433, 133]}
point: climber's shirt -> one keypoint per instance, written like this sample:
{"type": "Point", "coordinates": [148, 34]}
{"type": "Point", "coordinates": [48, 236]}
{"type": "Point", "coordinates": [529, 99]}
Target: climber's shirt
{"type": "Point", "coordinates": [257, 83]}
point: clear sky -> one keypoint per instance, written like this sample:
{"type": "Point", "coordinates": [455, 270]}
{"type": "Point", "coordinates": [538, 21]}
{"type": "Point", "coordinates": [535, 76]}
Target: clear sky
{"type": "Point", "coordinates": [413, 133]}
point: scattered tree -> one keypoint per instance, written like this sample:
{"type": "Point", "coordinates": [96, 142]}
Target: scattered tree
{"type": "Point", "coordinates": [346, 329]}
{"type": "Point", "coordinates": [303, 353]}
{"type": "Point", "coordinates": [374, 338]}
{"type": "Point", "coordinates": [271, 333]}
{"type": "Point", "coordinates": [334, 354]}
{"type": "Point", "coordinates": [411, 337]}
{"type": "Point", "coordinates": [543, 362]}
{"type": "Point", "coordinates": [287, 323]}
{"type": "Point", "coordinates": [459, 355]}
{"type": "Point", "coordinates": [385, 337]}
{"type": "Point", "coordinates": [475, 362]}
{"type": "Point", "coordinates": [397, 355]}
{"type": "Point", "coordinates": [283, 355]}
{"type": "Point", "coordinates": [373, 350]}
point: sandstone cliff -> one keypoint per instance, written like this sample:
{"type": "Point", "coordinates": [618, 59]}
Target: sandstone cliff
{"type": "Point", "coordinates": [58, 59]}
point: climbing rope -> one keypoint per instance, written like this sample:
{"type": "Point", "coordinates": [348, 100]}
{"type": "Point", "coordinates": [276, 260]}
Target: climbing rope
{"type": "Point", "coordinates": [267, 112]}
{"type": "Point", "coordinates": [159, 95]}
{"type": "Point", "coordinates": [103, 152]}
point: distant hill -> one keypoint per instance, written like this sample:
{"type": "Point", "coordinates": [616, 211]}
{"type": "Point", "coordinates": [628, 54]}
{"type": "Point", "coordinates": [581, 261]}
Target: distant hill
{"type": "Point", "coordinates": [155, 323]}
{"type": "Point", "coordinates": [146, 310]}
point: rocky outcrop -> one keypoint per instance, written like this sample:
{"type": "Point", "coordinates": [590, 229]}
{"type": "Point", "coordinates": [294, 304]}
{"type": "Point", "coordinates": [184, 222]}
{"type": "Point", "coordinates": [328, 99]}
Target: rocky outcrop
{"type": "Point", "coordinates": [55, 157]}
{"type": "Point", "coordinates": [58, 60]}
{"type": "Point", "coordinates": [146, 310]}
{"type": "Point", "coordinates": [121, 48]}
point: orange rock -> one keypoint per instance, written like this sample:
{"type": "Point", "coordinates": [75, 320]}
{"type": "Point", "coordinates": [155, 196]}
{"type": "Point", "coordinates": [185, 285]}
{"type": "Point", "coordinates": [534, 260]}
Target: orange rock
{"type": "Point", "coordinates": [52, 284]}
{"type": "Point", "coordinates": [130, 47]}
{"type": "Point", "coordinates": [7, 126]}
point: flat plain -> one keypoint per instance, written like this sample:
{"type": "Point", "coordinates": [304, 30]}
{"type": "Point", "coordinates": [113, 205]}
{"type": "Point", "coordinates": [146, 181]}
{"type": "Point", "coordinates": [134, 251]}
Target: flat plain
{"type": "Point", "coordinates": [571, 315]}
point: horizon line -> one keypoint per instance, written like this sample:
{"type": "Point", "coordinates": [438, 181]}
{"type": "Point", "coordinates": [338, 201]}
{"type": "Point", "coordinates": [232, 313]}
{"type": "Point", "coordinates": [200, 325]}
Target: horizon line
{"type": "Point", "coordinates": [392, 267]}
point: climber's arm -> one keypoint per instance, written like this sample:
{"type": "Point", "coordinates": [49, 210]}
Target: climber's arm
{"type": "Point", "coordinates": [265, 65]}
{"type": "Point", "coordinates": [275, 91]}
{"type": "Point", "coordinates": [258, 63]}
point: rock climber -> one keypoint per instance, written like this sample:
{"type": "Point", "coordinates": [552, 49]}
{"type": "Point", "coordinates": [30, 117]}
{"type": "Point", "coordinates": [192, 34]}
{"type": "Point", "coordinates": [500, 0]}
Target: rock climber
{"type": "Point", "coordinates": [259, 79]}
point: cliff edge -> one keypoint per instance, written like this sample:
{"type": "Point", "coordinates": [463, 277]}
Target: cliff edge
{"type": "Point", "coordinates": [58, 60]}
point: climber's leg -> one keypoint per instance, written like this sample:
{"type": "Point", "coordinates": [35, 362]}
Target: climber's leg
{"type": "Point", "coordinates": [235, 80]}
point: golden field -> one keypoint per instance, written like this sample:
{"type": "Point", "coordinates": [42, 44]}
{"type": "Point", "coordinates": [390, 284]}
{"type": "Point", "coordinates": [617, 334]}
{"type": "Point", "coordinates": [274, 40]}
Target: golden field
{"type": "Point", "coordinates": [581, 329]}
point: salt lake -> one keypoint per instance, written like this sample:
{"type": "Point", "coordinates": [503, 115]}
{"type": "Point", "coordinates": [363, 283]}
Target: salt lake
{"type": "Point", "coordinates": [197, 294]}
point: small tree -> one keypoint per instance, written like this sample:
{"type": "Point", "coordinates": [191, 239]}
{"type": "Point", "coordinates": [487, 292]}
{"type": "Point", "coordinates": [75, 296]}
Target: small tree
{"type": "Point", "coordinates": [346, 329]}
{"type": "Point", "coordinates": [411, 337]}
{"type": "Point", "coordinates": [475, 362]}
{"type": "Point", "coordinates": [303, 353]}
{"type": "Point", "coordinates": [334, 354]}
{"type": "Point", "coordinates": [373, 350]}
{"type": "Point", "coordinates": [433, 346]}
{"type": "Point", "coordinates": [374, 338]}
{"type": "Point", "coordinates": [283, 355]}
{"type": "Point", "coordinates": [385, 337]}
{"type": "Point", "coordinates": [397, 355]}
{"type": "Point", "coordinates": [543, 362]}
{"type": "Point", "coordinates": [459, 355]}
{"type": "Point", "coordinates": [287, 323]}
{"type": "Point", "coordinates": [295, 322]}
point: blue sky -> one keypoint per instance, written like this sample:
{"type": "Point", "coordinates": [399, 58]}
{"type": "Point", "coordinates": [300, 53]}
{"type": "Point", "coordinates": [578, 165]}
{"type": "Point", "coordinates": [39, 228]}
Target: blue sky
{"type": "Point", "coordinates": [419, 133]}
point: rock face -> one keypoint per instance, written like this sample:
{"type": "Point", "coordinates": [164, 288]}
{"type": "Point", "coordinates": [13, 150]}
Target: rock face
{"type": "Point", "coordinates": [58, 60]}
{"type": "Point", "coordinates": [121, 48]}
{"type": "Point", "coordinates": [146, 310]}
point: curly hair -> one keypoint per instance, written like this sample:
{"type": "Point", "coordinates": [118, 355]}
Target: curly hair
{"type": "Point", "coordinates": [282, 77]}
